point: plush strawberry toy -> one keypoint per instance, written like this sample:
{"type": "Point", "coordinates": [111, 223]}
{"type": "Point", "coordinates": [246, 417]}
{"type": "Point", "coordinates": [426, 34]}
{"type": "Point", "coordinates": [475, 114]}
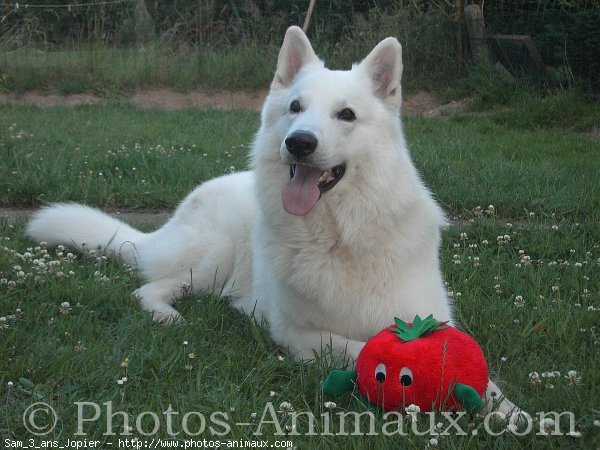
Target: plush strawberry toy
{"type": "Point", "coordinates": [426, 363]}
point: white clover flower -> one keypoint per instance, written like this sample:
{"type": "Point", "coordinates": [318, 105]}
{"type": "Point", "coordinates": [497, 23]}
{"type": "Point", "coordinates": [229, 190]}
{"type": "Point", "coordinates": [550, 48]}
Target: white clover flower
{"type": "Point", "coordinates": [185, 288]}
{"type": "Point", "coordinates": [546, 424]}
{"type": "Point", "coordinates": [330, 405]}
{"type": "Point", "coordinates": [65, 307]}
{"type": "Point", "coordinates": [286, 408]}
{"type": "Point", "coordinates": [534, 378]}
{"type": "Point", "coordinates": [573, 378]}
{"type": "Point", "coordinates": [412, 410]}
{"type": "Point", "coordinates": [433, 442]}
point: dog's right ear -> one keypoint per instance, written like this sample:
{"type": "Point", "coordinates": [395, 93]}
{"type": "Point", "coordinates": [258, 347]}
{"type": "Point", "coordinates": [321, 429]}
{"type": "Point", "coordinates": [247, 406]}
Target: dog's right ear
{"type": "Point", "coordinates": [295, 53]}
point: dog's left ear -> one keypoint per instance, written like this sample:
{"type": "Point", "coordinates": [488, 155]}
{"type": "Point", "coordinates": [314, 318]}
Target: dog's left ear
{"type": "Point", "coordinates": [295, 53]}
{"type": "Point", "coordinates": [384, 67]}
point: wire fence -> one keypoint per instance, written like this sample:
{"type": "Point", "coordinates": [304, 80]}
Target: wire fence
{"type": "Point", "coordinates": [565, 32]}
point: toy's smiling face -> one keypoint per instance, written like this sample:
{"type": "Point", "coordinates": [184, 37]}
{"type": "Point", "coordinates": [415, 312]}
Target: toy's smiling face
{"type": "Point", "coordinates": [394, 374]}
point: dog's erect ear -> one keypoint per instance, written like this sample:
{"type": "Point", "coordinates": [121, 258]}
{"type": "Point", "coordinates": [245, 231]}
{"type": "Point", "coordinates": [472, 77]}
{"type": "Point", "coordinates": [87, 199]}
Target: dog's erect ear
{"type": "Point", "coordinates": [384, 66]}
{"type": "Point", "coordinates": [295, 53]}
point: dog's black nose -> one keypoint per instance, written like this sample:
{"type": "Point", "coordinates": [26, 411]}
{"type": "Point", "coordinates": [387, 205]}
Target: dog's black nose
{"type": "Point", "coordinates": [301, 143]}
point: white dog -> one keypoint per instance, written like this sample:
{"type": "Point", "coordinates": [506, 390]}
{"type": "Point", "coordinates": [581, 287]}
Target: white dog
{"type": "Point", "coordinates": [328, 238]}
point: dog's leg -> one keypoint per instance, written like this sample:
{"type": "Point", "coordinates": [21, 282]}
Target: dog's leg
{"type": "Point", "coordinates": [158, 296]}
{"type": "Point", "coordinates": [495, 401]}
{"type": "Point", "coordinates": [302, 343]}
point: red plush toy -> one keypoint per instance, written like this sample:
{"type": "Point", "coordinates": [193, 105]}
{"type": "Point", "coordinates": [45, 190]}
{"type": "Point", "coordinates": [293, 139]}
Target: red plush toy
{"type": "Point", "coordinates": [426, 363]}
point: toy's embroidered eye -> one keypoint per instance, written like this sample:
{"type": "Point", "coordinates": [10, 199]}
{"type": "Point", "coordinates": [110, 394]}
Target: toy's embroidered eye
{"type": "Point", "coordinates": [380, 373]}
{"type": "Point", "coordinates": [406, 376]}
{"type": "Point", "coordinates": [346, 115]}
{"type": "Point", "coordinates": [295, 106]}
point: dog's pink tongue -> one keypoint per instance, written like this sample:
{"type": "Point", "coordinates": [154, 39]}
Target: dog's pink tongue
{"type": "Point", "coordinates": [301, 193]}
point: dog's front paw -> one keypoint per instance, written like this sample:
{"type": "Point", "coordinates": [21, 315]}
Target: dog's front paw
{"type": "Point", "coordinates": [166, 317]}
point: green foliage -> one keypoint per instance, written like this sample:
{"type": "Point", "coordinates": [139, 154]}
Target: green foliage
{"type": "Point", "coordinates": [418, 328]}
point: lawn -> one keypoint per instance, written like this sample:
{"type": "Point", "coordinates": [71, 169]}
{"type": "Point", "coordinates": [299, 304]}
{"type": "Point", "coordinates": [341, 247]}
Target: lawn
{"type": "Point", "coordinates": [523, 275]}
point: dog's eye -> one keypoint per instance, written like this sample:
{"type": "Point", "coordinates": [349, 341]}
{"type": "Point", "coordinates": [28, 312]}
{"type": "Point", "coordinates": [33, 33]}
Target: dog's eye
{"type": "Point", "coordinates": [406, 376]}
{"type": "Point", "coordinates": [346, 115]}
{"type": "Point", "coordinates": [295, 106]}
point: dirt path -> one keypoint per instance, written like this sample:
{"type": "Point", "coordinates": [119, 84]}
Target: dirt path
{"type": "Point", "coordinates": [421, 102]}
{"type": "Point", "coordinates": [145, 218]}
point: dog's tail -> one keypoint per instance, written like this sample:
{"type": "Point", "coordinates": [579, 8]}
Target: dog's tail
{"type": "Point", "coordinates": [81, 227]}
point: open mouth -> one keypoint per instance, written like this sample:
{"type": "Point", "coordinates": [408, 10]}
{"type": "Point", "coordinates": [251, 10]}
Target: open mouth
{"type": "Point", "coordinates": [328, 178]}
{"type": "Point", "coordinates": [302, 192]}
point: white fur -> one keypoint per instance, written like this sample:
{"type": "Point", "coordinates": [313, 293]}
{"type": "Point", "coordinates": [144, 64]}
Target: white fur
{"type": "Point", "coordinates": [366, 253]}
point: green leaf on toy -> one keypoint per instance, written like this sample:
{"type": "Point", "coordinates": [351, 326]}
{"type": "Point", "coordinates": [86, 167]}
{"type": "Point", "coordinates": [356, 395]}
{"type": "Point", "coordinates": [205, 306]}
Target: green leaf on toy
{"type": "Point", "coordinates": [420, 327]}
{"type": "Point", "coordinates": [468, 398]}
{"type": "Point", "coordinates": [339, 382]}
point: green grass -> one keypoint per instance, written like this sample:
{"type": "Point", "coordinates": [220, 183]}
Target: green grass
{"type": "Point", "coordinates": [528, 291]}
{"type": "Point", "coordinates": [117, 156]}
{"type": "Point", "coordinates": [76, 355]}
{"type": "Point", "coordinates": [122, 156]}
{"type": "Point", "coordinates": [108, 71]}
